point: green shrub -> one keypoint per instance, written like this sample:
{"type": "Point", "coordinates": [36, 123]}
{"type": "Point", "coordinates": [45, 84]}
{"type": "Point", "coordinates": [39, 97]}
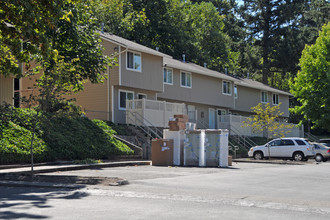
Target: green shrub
{"type": "Point", "coordinates": [15, 144]}
{"type": "Point", "coordinates": [119, 128]}
{"type": "Point", "coordinates": [79, 138]}
{"type": "Point", "coordinates": [58, 136]}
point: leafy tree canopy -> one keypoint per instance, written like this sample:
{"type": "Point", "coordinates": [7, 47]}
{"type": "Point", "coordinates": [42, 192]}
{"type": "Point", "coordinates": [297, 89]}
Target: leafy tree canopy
{"type": "Point", "coordinates": [25, 21]}
{"type": "Point", "coordinates": [60, 37]}
{"type": "Point", "coordinates": [311, 86]}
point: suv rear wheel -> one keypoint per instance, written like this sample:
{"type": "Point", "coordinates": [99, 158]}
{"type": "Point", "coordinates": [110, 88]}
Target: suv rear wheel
{"type": "Point", "coordinates": [258, 155]}
{"type": "Point", "coordinates": [298, 156]}
{"type": "Point", "coordinates": [319, 158]}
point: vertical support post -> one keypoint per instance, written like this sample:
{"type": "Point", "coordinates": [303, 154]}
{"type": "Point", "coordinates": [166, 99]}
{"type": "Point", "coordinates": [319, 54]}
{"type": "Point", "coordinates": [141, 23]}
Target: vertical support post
{"type": "Point", "coordinates": [143, 111]}
{"type": "Point", "coordinates": [164, 114]}
{"type": "Point", "coordinates": [223, 162]}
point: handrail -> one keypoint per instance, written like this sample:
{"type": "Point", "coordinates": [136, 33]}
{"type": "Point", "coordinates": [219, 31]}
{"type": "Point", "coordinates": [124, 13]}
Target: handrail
{"type": "Point", "coordinates": [204, 124]}
{"type": "Point", "coordinates": [246, 140]}
{"type": "Point", "coordinates": [311, 137]}
{"type": "Point", "coordinates": [147, 129]}
{"type": "Point", "coordinates": [134, 123]}
{"type": "Point", "coordinates": [150, 124]}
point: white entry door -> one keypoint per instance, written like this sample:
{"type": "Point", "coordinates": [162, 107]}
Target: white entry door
{"type": "Point", "coordinates": [211, 118]}
{"type": "Point", "coordinates": [192, 113]}
{"type": "Point", "coordinates": [220, 116]}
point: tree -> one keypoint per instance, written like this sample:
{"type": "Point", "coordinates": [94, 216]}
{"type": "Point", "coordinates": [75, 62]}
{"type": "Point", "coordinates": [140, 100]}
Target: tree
{"type": "Point", "coordinates": [266, 120]}
{"type": "Point", "coordinates": [311, 86]}
{"type": "Point", "coordinates": [76, 55]}
{"type": "Point", "coordinates": [25, 21]}
{"type": "Point", "coordinates": [176, 27]}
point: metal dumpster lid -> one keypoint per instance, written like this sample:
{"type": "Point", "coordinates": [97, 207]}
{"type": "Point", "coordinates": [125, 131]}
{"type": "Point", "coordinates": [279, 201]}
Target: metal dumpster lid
{"type": "Point", "coordinates": [216, 131]}
{"type": "Point", "coordinates": [194, 131]}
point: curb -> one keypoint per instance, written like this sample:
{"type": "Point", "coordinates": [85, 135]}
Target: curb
{"type": "Point", "coordinates": [269, 162]}
{"type": "Point", "coordinates": [41, 184]}
{"type": "Point", "coordinates": [81, 167]}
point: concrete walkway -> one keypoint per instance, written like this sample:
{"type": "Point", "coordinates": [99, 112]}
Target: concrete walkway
{"type": "Point", "coordinates": [66, 167]}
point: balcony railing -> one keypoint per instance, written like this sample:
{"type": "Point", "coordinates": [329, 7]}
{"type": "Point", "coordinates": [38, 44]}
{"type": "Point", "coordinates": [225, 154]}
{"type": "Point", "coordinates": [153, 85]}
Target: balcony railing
{"type": "Point", "coordinates": [235, 122]}
{"type": "Point", "coordinates": [155, 112]}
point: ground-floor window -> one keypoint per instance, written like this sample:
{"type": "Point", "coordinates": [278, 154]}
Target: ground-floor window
{"type": "Point", "coordinates": [123, 96]}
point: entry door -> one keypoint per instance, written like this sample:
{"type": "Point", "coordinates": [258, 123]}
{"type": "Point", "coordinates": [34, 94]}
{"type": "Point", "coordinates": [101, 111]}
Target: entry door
{"type": "Point", "coordinates": [212, 118]}
{"type": "Point", "coordinates": [220, 116]}
{"type": "Point", "coordinates": [191, 113]}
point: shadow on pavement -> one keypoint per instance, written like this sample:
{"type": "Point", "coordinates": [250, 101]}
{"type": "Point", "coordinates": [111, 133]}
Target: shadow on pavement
{"type": "Point", "coordinates": [15, 202]}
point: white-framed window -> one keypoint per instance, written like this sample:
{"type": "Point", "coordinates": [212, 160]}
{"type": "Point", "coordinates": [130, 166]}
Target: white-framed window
{"type": "Point", "coordinates": [185, 79]}
{"type": "Point", "coordinates": [264, 97]}
{"type": "Point", "coordinates": [275, 99]}
{"type": "Point", "coordinates": [123, 96]}
{"type": "Point", "coordinates": [133, 61]}
{"type": "Point", "coordinates": [235, 92]}
{"type": "Point", "coordinates": [168, 76]}
{"type": "Point", "coordinates": [226, 87]}
{"type": "Point", "coordinates": [141, 96]}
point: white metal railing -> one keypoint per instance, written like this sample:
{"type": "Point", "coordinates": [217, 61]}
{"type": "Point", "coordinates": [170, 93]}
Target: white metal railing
{"type": "Point", "coordinates": [155, 112]}
{"type": "Point", "coordinates": [236, 122]}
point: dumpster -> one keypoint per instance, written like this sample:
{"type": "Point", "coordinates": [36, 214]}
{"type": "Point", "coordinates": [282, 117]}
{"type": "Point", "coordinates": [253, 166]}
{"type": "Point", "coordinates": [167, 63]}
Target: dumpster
{"type": "Point", "coordinates": [194, 148]}
{"type": "Point", "coordinates": [212, 147]}
{"type": "Point", "coordinates": [216, 147]}
{"type": "Point", "coordinates": [224, 148]}
{"type": "Point", "coordinates": [178, 140]}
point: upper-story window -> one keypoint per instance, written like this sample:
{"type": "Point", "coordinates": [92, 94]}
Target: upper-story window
{"type": "Point", "coordinates": [275, 99]}
{"type": "Point", "coordinates": [168, 76]}
{"type": "Point", "coordinates": [264, 97]}
{"type": "Point", "coordinates": [235, 92]}
{"type": "Point", "coordinates": [226, 87]}
{"type": "Point", "coordinates": [134, 61]}
{"type": "Point", "coordinates": [185, 79]}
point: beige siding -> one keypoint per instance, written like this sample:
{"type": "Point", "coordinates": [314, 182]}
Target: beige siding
{"type": "Point", "coordinates": [150, 77]}
{"type": "Point", "coordinates": [205, 90]}
{"type": "Point", "coordinates": [94, 100]}
{"type": "Point", "coordinates": [249, 97]}
{"type": "Point", "coordinates": [284, 100]}
{"type": "Point", "coordinates": [119, 115]}
{"type": "Point", "coordinates": [6, 90]}
{"type": "Point", "coordinates": [109, 50]}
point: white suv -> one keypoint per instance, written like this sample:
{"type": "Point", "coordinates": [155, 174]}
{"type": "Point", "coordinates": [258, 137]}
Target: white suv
{"type": "Point", "coordinates": [297, 149]}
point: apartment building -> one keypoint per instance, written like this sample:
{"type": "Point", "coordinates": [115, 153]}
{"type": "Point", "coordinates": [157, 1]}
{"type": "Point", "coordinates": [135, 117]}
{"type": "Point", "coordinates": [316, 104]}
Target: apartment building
{"type": "Point", "coordinates": [6, 90]}
{"type": "Point", "coordinates": [146, 87]}
{"type": "Point", "coordinates": [210, 96]}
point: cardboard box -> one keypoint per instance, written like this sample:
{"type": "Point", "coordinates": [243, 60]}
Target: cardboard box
{"type": "Point", "coordinates": [183, 120]}
{"type": "Point", "coordinates": [182, 116]}
{"type": "Point", "coordinates": [230, 160]}
{"type": "Point", "coordinates": [176, 126]}
{"type": "Point", "coordinates": [162, 152]}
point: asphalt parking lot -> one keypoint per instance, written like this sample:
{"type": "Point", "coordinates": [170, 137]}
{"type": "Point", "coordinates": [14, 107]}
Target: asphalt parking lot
{"type": "Point", "coordinates": [244, 191]}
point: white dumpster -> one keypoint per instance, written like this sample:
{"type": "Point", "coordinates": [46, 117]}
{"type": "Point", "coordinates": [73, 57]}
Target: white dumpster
{"type": "Point", "coordinates": [194, 148]}
{"type": "Point", "coordinates": [224, 148]}
{"type": "Point", "coordinates": [178, 141]}
{"type": "Point", "coordinates": [212, 147]}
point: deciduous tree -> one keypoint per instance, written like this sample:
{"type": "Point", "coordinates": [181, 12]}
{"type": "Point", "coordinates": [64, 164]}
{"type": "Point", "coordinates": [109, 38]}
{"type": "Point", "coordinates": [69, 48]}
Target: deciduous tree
{"type": "Point", "coordinates": [311, 86]}
{"type": "Point", "coordinates": [266, 120]}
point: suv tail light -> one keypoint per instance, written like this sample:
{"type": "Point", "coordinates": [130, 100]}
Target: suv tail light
{"type": "Point", "coordinates": [328, 151]}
